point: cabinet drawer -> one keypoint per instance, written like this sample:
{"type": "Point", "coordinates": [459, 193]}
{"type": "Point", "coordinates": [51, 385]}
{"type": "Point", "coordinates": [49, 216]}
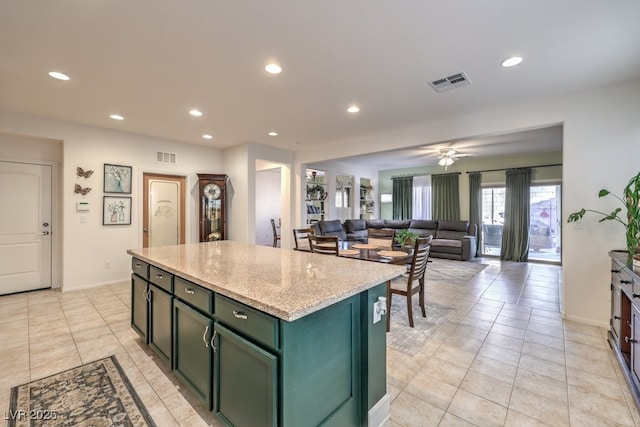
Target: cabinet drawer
{"type": "Point", "coordinates": [161, 278]}
{"type": "Point", "coordinates": [248, 321]}
{"type": "Point", "coordinates": [141, 268]}
{"type": "Point", "coordinates": [195, 295]}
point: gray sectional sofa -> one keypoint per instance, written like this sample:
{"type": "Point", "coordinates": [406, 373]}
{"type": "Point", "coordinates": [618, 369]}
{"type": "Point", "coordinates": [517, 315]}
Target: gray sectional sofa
{"type": "Point", "coordinates": [451, 239]}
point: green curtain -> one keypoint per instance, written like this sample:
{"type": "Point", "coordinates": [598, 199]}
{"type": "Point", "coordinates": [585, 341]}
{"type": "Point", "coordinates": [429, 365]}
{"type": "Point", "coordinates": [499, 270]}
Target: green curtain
{"type": "Point", "coordinates": [515, 234]}
{"type": "Point", "coordinates": [446, 196]}
{"type": "Point", "coordinates": [402, 197]}
{"type": "Point", "coordinates": [475, 204]}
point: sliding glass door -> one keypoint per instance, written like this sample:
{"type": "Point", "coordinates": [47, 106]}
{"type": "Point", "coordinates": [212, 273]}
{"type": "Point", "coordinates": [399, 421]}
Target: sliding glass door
{"type": "Point", "coordinates": [493, 200]}
{"type": "Point", "coordinates": [544, 222]}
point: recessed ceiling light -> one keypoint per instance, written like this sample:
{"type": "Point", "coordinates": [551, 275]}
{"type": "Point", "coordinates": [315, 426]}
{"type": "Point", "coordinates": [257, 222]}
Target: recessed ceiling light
{"type": "Point", "coordinates": [195, 113]}
{"type": "Point", "coordinates": [207, 136]}
{"type": "Point", "coordinates": [116, 117]}
{"type": "Point", "coordinates": [272, 133]}
{"type": "Point", "coordinates": [511, 62]}
{"type": "Point", "coordinates": [353, 109]}
{"type": "Point", "coordinates": [273, 68]}
{"type": "Point", "coordinates": [58, 75]}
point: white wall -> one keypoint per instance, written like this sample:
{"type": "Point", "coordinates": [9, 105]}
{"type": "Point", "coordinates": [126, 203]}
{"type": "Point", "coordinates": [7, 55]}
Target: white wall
{"type": "Point", "coordinates": [86, 246]}
{"type": "Point", "coordinates": [268, 206]}
{"type": "Point", "coordinates": [601, 149]}
{"type": "Point", "coordinates": [241, 163]}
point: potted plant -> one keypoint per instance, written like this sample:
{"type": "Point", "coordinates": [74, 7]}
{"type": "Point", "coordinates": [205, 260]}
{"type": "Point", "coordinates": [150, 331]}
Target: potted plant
{"type": "Point", "coordinates": [405, 237]}
{"type": "Point", "coordinates": [631, 201]}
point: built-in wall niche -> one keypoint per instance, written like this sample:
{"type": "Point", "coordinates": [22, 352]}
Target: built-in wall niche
{"type": "Point", "coordinates": [367, 203]}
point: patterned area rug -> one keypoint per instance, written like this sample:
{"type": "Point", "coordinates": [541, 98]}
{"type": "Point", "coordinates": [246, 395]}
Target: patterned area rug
{"type": "Point", "coordinates": [95, 394]}
{"type": "Point", "coordinates": [410, 340]}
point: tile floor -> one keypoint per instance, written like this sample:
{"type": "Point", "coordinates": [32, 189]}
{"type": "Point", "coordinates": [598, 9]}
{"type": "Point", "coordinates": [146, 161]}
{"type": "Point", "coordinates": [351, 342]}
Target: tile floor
{"type": "Point", "coordinates": [504, 358]}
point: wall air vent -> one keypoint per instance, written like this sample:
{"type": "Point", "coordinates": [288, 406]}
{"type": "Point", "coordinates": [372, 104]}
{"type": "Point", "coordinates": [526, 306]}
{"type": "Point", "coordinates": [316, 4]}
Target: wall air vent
{"type": "Point", "coordinates": [162, 157]}
{"type": "Point", "coordinates": [451, 82]}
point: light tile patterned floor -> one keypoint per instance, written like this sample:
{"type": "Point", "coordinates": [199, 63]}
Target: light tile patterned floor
{"type": "Point", "coordinates": [505, 358]}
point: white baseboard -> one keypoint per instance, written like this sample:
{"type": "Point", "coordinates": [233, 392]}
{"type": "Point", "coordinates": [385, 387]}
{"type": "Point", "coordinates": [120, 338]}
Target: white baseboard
{"type": "Point", "coordinates": [380, 412]}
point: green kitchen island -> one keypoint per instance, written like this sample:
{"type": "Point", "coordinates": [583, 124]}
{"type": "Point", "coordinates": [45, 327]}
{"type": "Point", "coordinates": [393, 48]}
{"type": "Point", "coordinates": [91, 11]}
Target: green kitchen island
{"type": "Point", "coordinates": [267, 336]}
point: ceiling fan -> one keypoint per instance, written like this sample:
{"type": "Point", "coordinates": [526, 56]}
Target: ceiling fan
{"type": "Point", "coordinates": [447, 156]}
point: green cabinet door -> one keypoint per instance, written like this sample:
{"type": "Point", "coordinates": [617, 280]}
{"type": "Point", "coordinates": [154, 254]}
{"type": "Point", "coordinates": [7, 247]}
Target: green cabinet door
{"type": "Point", "coordinates": [160, 303]}
{"type": "Point", "coordinates": [245, 381]}
{"type": "Point", "coordinates": [192, 353]}
{"type": "Point", "coordinates": [140, 306]}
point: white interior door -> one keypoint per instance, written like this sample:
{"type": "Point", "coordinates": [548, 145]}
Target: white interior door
{"type": "Point", "coordinates": [25, 227]}
{"type": "Point", "coordinates": [163, 210]}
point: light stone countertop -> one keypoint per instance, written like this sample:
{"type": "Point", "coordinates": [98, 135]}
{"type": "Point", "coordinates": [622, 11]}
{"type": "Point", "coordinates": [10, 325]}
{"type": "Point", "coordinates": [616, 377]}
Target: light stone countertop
{"type": "Point", "coordinates": [284, 283]}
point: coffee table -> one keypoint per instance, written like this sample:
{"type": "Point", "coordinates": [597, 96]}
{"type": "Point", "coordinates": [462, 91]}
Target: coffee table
{"type": "Point", "coordinates": [375, 253]}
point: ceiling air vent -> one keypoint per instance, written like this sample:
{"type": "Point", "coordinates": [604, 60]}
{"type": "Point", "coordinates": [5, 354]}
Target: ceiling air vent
{"type": "Point", "coordinates": [162, 157]}
{"type": "Point", "coordinates": [451, 82]}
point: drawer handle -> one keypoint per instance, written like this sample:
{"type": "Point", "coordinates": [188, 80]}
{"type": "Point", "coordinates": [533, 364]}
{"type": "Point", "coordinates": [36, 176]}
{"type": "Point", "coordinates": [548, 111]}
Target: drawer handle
{"type": "Point", "coordinates": [616, 317]}
{"type": "Point", "coordinates": [635, 295]}
{"type": "Point", "coordinates": [615, 271]}
{"type": "Point", "coordinates": [158, 276]}
{"type": "Point", "coordinates": [625, 282]}
{"type": "Point", "coordinates": [240, 315]}
{"type": "Point", "coordinates": [189, 291]}
{"type": "Point", "coordinates": [138, 265]}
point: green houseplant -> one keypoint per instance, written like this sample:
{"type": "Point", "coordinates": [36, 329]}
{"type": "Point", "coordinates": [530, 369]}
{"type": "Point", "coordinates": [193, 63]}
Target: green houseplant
{"type": "Point", "coordinates": [631, 201]}
{"type": "Point", "coordinates": [405, 237]}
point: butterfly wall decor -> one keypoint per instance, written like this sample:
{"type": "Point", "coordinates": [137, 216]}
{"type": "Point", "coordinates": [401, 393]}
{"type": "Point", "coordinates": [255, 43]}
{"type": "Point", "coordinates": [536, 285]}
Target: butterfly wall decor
{"type": "Point", "coordinates": [82, 172]}
{"type": "Point", "coordinates": [80, 190]}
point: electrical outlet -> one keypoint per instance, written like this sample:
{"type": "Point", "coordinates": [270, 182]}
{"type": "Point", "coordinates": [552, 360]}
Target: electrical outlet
{"type": "Point", "coordinates": [107, 265]}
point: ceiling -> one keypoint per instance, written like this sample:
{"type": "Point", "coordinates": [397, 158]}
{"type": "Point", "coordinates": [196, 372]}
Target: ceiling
{"type": "Point", "coordinates": [153, 60]}
{"type": "Point", "coordinates": [545, 139]}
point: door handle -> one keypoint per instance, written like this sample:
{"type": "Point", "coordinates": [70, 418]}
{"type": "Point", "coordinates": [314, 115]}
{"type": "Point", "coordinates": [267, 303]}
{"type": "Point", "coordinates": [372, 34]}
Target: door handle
{"type": "Point", "coordinates": [44, 233]}
{"type": "Point", "coordinates": [146, 230]}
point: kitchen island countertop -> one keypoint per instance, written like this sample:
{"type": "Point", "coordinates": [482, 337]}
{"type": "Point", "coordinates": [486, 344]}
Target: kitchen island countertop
{"type": "Point", "coordinates": [284, 283]}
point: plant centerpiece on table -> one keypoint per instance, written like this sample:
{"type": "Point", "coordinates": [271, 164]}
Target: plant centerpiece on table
{"type": "Point", "coordinates": [631, 202]}
{"type": "Point", "coordinates": [405, 237]}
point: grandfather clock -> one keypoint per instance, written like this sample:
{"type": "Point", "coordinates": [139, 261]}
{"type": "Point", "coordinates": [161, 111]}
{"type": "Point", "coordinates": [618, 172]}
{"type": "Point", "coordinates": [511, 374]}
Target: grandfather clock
{"type": "Point", "coordinates": [213, 206]}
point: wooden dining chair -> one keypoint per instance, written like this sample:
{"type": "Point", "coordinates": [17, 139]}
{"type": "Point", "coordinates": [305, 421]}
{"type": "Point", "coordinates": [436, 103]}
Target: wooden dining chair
{"type": "Point", "coordinates": [381, 237]}
{"type": "Point", "coordinates": [276, 235]}
{"type": "Point", "coordinates": [300, 241]}
{"type": "Point", "coordinates": [327, 245]}
{"type": "Point", "coordinates": [413, 282]}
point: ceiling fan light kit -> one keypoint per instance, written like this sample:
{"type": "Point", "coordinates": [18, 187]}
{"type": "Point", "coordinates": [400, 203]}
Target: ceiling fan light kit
{"type": "Point", "coordinates": [447, 157]}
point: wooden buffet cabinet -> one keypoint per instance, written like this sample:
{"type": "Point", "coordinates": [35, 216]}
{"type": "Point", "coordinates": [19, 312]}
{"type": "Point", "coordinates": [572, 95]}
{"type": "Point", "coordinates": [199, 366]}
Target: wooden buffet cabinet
{"type": "Point", "coordinates": [264, 336]}
{"type": "Point", "coordinates": [624, 330]}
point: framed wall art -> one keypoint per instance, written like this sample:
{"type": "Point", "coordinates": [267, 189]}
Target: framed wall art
{"type": "Point", "coordinates": [116, 210]}
{"type": "Point", "coordinates": [117, 179]}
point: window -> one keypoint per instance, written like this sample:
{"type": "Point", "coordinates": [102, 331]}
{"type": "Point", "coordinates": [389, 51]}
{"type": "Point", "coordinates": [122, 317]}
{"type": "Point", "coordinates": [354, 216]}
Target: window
{"type": "Point", "coordinates": [422, 197]}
